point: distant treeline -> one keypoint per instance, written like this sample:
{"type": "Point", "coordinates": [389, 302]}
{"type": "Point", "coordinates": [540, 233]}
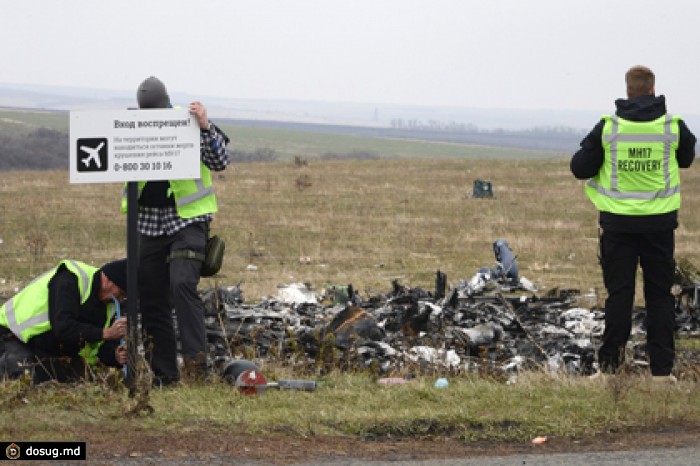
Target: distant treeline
{"type": "Point", "coordinates": [41, 149]}
{"type": "Point", "coordinates": [47, 149]}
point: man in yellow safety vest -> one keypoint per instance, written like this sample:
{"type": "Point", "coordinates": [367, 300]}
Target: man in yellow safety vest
{"type": "Point", "coordinates": [631, 160]}
{"type": "Point", "coordinates": [64, 321]}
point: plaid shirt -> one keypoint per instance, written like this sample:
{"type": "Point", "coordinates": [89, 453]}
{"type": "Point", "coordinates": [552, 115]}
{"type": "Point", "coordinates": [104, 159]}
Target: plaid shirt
{"type": "Point", "coordinates": [158, 221]}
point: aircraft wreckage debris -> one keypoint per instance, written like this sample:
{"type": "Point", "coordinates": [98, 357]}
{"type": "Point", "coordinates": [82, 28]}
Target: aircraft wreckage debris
{"type": "Point", "coordinates": [494, 322]}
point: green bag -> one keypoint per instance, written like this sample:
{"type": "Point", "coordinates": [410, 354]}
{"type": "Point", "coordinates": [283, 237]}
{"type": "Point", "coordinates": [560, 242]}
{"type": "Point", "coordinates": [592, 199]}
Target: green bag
{"type": "Point", "coordinates": [214, 256]}
{"type": "Point", "coordinates": [212, 259]}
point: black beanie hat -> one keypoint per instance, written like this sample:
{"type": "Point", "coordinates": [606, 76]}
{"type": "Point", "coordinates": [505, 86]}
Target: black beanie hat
{"type": "Point", "coordinates": [152, 94]}
{"type": "Point", "coordinates": [116, 272]}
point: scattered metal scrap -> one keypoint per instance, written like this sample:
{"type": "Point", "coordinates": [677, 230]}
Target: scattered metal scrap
{"type": "Point", "coordinates": [482, 189]}
{"type": "Point", "coordinates": [246, 376]}
{"type": "Point", "coordinates": [687, 288]}
{"type": "Point", "coordinates": [494, 322]}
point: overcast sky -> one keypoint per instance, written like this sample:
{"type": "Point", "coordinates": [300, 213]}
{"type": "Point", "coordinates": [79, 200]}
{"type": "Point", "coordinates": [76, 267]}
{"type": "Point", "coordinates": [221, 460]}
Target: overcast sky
{"type": "Point", "coordinates": [525, 54]}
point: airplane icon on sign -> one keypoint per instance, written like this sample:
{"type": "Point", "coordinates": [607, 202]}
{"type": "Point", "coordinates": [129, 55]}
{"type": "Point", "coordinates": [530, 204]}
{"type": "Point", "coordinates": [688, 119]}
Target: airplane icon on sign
{"type": "Point", "coordinates": [91, 155]}
{"type": "Point", "coordinates": [94, 155]}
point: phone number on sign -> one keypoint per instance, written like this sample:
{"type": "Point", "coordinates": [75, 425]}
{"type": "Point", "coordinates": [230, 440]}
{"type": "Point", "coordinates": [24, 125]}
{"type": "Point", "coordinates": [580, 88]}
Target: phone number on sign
{"type": "Point", "coordinates": [142, 166]}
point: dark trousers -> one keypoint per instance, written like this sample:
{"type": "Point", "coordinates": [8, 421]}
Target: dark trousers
{"type": "Point", "coordinates": [620, 255]}
{"type": "Point", "coordinates": [17, 357]}
{"type": "Point", "coordinates": [164, 285]}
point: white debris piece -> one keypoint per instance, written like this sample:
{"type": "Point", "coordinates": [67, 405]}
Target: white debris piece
{"type": "Point", "coordinates": [388, 350]}
{"type": "Point", "coordinates": [447, 358]}
{"type": "Point", "coordinates": [435, 310]}
{"type": "Point", "coordinates": [296, 293]}
{"type": "Point", "coordinates": [482, 334]}
{"type": "Point", "coordinates": [549, 330]}
{"type": "Point", "coordinates": [527, 284]}
{"type": "Point", "coordinates": [514, 364]}
{"type": "Point", "coordinates": [555, 363]}
{"type": "Point", "coordinates": [478, 283]}
{"type": "Point", "coordinates": [582, 322]}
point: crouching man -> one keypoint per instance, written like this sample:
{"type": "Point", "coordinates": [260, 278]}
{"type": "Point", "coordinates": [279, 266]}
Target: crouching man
{"type": "Point", "coordinates": [64, 321]}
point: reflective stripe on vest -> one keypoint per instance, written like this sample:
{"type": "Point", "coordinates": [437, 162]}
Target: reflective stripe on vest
{"type": "Point", "coordinates": [41, 316]}
{"type": "Point", "coordinates": [615, 137]}
{"type": "Point", "coordinates": [201, 193]}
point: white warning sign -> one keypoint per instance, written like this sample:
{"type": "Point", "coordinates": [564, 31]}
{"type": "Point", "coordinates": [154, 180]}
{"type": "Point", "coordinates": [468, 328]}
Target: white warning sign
{"type": "Point", "coordinates": [133, 145]}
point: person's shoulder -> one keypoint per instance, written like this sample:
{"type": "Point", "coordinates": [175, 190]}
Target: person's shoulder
{"type": "Point", "coordinates": [598, 128]}
{"type": "Point", "coordinates": [64, 275]}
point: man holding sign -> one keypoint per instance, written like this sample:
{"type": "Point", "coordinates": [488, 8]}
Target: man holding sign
{"type": "Point", "coordinates": [173, 223]}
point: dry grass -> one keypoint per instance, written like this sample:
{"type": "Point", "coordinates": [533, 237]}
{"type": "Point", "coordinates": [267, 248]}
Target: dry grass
{"type": "Point", "coordinates": [359, 222]}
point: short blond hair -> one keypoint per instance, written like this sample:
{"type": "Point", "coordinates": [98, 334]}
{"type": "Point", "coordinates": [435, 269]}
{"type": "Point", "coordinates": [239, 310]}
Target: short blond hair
{"type": "Point", "coordinates": [640, 81]}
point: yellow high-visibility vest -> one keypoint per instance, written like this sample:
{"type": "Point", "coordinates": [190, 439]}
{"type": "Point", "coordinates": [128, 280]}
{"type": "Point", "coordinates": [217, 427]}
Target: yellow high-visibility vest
{"type": "Point", "coordinates": [640, 174]}
{"type": "Point", "coordinates": [26, 314]}
{"type": "Point", "coordinates": [193, 198]}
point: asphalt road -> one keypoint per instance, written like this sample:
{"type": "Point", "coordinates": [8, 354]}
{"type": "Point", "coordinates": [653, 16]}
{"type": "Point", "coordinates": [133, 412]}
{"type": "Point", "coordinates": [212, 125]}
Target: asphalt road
{"type": "Point", "coordinates": [656, 456]}
{"type": "Point", "coordinates": [666, 456]}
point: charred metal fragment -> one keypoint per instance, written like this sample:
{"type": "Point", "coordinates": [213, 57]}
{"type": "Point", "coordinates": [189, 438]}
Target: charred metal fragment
{"type": "Point", "coordinates": [352, 324]}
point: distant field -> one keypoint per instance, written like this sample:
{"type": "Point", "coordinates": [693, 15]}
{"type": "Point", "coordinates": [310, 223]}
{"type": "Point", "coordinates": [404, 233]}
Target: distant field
{"type": "Point", "coordinates": [22, 121]}
{"type": "Point", "coordinates": [307, 144]}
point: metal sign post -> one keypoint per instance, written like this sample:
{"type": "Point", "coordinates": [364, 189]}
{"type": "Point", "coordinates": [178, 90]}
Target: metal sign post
{"type": "Point", "coordinates": [131, 146]}
{"type": "Point", "coordinates": [132, 280]}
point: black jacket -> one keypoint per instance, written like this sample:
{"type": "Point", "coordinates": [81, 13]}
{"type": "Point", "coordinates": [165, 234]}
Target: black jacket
{"type": "Point", "coordinates": [587, 161]}
{"type": "Point", "coordinates": [73, 324]}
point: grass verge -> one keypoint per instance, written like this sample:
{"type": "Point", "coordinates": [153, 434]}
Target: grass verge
{"type": "Point", "coordinates": [355, 405]}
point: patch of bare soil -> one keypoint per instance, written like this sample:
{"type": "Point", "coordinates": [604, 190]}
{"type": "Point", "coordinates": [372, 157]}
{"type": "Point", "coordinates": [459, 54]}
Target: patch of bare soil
{"type": "Point", "coordinates": [279, 450]}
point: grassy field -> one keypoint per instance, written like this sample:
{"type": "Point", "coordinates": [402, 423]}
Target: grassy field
{"type": "Point", "coordinates": [359, 222]}
{"type": "Point", "coordinates": [364, 223]}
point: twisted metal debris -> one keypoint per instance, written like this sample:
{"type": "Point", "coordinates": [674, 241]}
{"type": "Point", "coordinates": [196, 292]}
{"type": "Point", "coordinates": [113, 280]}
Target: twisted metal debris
{"type": "Point", "coordinates": [493, 323]}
